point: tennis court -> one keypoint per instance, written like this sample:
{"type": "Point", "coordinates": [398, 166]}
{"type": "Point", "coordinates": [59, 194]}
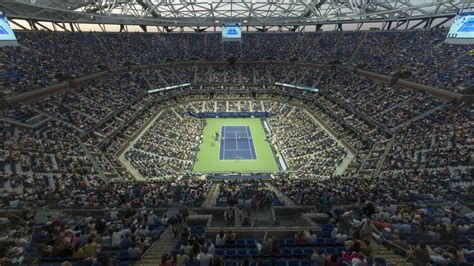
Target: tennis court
{"type": "Point", "coordinates": [467, 26]}
{"type": "Point", "coordinates": [236, 143]}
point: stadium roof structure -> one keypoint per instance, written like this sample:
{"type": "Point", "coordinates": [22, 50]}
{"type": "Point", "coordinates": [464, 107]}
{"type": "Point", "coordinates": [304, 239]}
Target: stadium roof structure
{"type": "Point", "coordinates": [212, 13]}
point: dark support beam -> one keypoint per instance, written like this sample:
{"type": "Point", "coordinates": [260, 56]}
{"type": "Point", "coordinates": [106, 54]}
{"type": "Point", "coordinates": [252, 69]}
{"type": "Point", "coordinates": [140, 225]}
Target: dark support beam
{"type": "Point", "coordinates": [122, 28]}
{"type": "Point", "coordinates": [339, 26]}
{"type": "Point", "coordinates": [18, 24]}
{"type": "Point", "coordinates": [43, 26]}
{"type": "Point", "coordinates": [400, 23]}
{"type": "Point", "coordinates": [33, 24]}
{"type": "Point", "coordinates": [145, 7]}
{"type": "Point", "coordinates": [61, 26]}
{"type": "Point", "coordinates": [143, 27]}
{"type": "Point", "coordinates": [428, 23]}
{"type": "Point", "coordinates": [318, 27]}
{"type": "Point", "coordinates": [418, 24]}
{"type": "Point", "coordinates": [199, 29]}
{"type": "Point", "coordinates": [442, 22]}
{"type": "Point", "coordinates": [71, 26]}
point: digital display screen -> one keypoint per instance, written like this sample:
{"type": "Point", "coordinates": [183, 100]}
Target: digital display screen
{"type": "Point", "coordinates": [231, 32]}
{"type": "Point", "coordinates": [462, 29]}
{"type": "Point", "coordinates": [6, 32]}
{"type": "Point", "coordinates": [7, 36]}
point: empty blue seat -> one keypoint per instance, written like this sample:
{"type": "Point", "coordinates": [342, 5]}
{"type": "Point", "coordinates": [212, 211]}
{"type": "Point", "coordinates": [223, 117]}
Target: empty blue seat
{"type": "Point", "coordinates": [290, 242]}
{"type": "Point", "coordinates": [240, 242]}
{"type": "Point", "coordinates": [293, 263]}
{"type": "Point", "coordinates": [308, 251]}
{"type": "Point", "coordinates": [219, 252]}
{"type": "Point", "coordinates": [286, 252]}
{"type": "Point", "coordinates": [100, 254]}
{"type": "Point", "coordinates": [242, 253]}
{"type": "Point", "coordinates": [230, 263]}
{"type": "Point", "coordinates": [378, 261]}
{"type": "Point", "coordinates": [328, 227]}
{"type": "Point", "coordinates": [174, 253]}
{"type": "Point", "coordinates": [281, 263]}
{"type": "Point", "coordinates": [230, 252]}
{"type": "Point", "coordinates": [306, 262]}
{"type": "Point", "coordinates": [253, 252]}
{"type": "Point", "coordinates": [470, 259]}
{"type": "Point", "coordinates": [267, 263]}
{"type": "Point", "coordinates": [250, 242]}
{"type": "Point", "coordinates": [281, 242]}
{"type": "Point", "coordinates": [297, 252]}
{"type": "Point", "coordinates": [123, 255]}
{"type": "Point", "coordinates": [329, 241]}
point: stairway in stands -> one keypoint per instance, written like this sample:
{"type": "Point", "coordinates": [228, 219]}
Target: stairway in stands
{"type": "Point", "coordinates": [166, 243]}
{"type": "Point", "coordinates": [391, 258]}
{"type": "Point", "coordinates": [212, 196]}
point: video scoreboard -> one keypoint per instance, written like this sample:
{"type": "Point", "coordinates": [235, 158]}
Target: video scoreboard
{"type": "Point", "coordinates": [7, 36]}
{"type": "Point", "coordinates": [462, 28]}
{"type": "Point", "coordinates": [231, 32]}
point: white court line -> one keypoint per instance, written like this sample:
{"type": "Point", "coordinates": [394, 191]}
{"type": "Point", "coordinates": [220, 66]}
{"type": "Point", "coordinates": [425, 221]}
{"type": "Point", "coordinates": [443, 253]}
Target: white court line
{"type": "Point", "coordinates": [250, 144]}
{"type": "Point", "coordinates": [223, 145]}
{"type": "Point", "coordinates": [236, 142]}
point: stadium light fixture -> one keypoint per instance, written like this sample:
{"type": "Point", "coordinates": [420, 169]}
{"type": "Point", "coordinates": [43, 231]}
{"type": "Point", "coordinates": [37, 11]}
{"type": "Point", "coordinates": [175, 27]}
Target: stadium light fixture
{"type": "Point", "coordinates": [296, 87]}
{"type": "Point", "coordinates": [170, 88]}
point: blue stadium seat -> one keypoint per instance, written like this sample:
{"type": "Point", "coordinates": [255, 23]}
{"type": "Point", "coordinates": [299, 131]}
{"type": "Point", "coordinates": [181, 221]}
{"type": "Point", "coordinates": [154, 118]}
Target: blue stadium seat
{"type": "Point", "coordinates": [253, 252]}
{"type": "Point", "coordinates": [286, 252]}
{"type": "Point", "coordinates": [242, 253]}
{"type": "Point", "coordinates": [220, 252]}
{"type": "Point", "coordinates": [267, 263]}
{"type": "Point", "coordinates": [230, 263]}
{"type": "Point", "coordinates": [230, 252]}
{"type": "Point", "coordinates": [293, 263]}
{"type": "Point", "coordinates": [281, 263]}
{"type": "Point", "coordinates": [328, 227]}
{"type": "Point", "coordinates": [250, 242]}
{"type": "Point", "coordinates": [308, 251]}
{"type": "Point", "coordinates": [298, 252]}
{"type": "Point", "coordinates": [123, 255]}
{"type": "Point", "coordinates": [329, 241]}
{"type": "Point", "coordinates": [240, 242]}
{"type": "Point", "coordinates": [378, 261]}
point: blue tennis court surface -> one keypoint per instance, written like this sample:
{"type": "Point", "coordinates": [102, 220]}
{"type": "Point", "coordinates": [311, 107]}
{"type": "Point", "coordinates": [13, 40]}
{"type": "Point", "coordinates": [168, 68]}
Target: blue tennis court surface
{"type": "Point", "coordinates": [468, 26]}
{"type": "Point", "coordinates": [236, 144]}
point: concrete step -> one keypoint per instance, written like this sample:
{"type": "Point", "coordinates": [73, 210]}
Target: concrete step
{"type": "Point", "coordinates": [399, 263]}
{"type": "Point", "coordinates": [155, 252]}
{"type": "Point", "coordinates": [153, 257]}
{"type": "Point", "coordinates": [385, 252]}
{"type": "Point", "coordinates": [148, 262]}
{"type": "Point", "coordinates": [395, 260]}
